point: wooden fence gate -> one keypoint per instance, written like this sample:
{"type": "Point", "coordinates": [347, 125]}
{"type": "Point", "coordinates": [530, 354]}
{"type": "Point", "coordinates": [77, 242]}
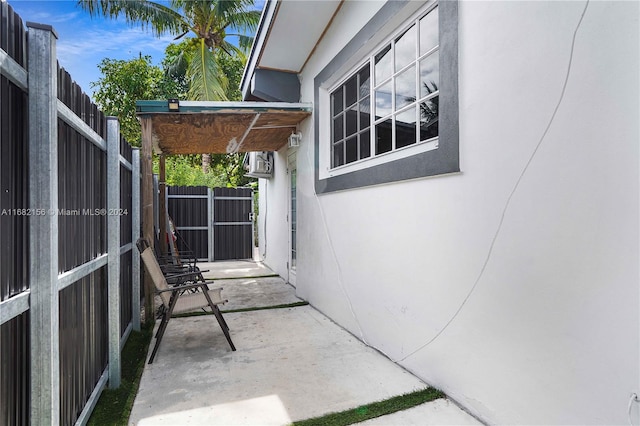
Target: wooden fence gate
{"type": "Point", "coordinates": [216, 224]}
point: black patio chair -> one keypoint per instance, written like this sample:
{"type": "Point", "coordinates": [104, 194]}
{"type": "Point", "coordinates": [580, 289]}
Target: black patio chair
{"type": "Point", "coordinates": [179, 297]}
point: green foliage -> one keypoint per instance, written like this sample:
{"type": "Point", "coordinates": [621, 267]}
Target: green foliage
{"type": "Point", "coordinates": [232, 67]}
{"type": "Point", "coordinates": [180, 171]}
{"type": "Point", "coordinates": [184, 170]}
{"type": "Point", "coordinates": [124, 82]}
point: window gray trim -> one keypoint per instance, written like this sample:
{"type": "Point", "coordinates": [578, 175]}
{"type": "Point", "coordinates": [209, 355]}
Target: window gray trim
{"type": "Point", "coordinates": [443, 160]}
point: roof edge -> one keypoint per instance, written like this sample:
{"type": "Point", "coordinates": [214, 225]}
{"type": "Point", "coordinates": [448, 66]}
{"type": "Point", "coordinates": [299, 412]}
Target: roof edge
{"type": "Point", "coordinates": [161, 106]}
{"type": "Point", "coordinates": [266, 20]}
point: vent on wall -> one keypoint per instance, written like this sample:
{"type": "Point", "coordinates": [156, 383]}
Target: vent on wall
{"type": "Point", "coordinates": [258, 164]}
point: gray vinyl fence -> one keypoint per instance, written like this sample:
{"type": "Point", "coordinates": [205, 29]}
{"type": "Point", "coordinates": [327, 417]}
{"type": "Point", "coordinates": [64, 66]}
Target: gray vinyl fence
{"type": "Point", "coordinates": [69, 214]}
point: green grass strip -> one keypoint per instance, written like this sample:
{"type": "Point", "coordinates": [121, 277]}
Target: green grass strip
{"type": "Point", "coordinates": [231, 311]}
{"type": "Point", "coordinates": [114, 405]}
{"type": "Point", "coordinates": [239, 278]}
{"type": "Point", "coordinates": [376, 409]}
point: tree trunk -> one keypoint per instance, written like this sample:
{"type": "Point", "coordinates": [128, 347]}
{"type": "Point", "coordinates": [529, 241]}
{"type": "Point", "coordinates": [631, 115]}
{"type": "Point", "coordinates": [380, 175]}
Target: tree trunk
{"type": "Point", "coordinates": [206, 163]}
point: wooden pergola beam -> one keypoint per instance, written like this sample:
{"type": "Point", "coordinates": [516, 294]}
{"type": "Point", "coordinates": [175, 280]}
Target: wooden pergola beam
{"type": "Point", "coordinates": [147, 210]}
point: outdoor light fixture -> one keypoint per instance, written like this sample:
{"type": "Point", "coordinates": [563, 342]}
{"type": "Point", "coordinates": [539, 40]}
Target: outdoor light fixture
{"type": "Point", "coordinates": [174, 105]}
{"type": "Point", "coordinates": [295, 139]}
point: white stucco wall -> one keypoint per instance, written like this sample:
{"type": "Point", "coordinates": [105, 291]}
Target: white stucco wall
{"type": "Point", "coordinates": [272, 218]}
{"type": "Point", "coordinates": [550, 334]}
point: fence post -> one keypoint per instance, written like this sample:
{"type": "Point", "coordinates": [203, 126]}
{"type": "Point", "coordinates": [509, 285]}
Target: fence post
{"type": "Point", "coordinates": [135, 225]}
{"type": "Point", "coordinates": [113, 247]}
{"type": "Point", "coordinates": [43, 224]}
{"type": "Point", "coordinates": [210, 222]}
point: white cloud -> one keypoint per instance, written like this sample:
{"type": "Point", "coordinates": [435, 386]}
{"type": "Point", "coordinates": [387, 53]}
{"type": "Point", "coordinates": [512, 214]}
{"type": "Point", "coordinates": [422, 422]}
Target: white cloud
{"type": "Point", "coordinates": [109, 43]}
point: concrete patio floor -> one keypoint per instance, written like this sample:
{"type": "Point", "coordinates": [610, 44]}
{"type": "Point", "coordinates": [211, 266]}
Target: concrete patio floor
{"type": "Point", "coordinates": [291, 364]}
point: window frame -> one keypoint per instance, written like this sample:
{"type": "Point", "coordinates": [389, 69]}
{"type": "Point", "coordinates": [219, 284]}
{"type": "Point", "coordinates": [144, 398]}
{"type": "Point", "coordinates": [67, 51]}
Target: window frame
{"type": "Point", "coordinates": [436, 156]}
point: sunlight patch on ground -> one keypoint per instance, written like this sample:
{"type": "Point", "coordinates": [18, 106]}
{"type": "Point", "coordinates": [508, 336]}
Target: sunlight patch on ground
{"type": "Point", "coordinates": [266, 410]}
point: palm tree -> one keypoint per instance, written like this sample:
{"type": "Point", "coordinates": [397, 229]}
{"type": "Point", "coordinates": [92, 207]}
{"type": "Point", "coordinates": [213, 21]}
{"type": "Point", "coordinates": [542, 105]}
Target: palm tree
{"type": "Point", "coordinates": [211, 21]}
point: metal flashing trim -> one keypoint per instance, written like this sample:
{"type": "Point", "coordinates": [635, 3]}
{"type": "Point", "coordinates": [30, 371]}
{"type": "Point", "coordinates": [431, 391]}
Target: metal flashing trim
{"type": "Point", "coordinates": [125, 336]}
{"type": "Point", "coordinates": [67, 278]}
{"type": "Point", "coordinates": [135, 231]}
{"type": "Point", "coordinates": [232, 198]}
{"type": "Point", "coordinates": [126, 163]}
{"type": "Point", "coordinates": [114, 250]}
{"type": "Point", "coordinates": [14, 306]}
{"type": "Point", "coordinates": [69, 117]}
{"type": "Point", "coordinates": [45, 27]}
{"type": "Point", "coordinates": [154, 107]}
{"type": "Point", "coordinates": [191, 228]}
{"type": "Point", "coordinates": [187, 196]}
{"type": "Point", "coordinates": [126, 248]}
{"type": "Point", "coordinates": [13, 71]}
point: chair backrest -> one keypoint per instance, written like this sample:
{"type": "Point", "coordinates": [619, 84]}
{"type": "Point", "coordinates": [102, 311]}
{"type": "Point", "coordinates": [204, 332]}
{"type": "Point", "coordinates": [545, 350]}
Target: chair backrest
{"type": "Point", "coordinates": [151, 263]}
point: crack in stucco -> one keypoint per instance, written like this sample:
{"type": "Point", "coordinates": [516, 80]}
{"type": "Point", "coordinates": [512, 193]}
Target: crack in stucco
{"type": "Point", "coordinates": [335, 258]}
{"type": "Point", "coordinates": [513, 191]}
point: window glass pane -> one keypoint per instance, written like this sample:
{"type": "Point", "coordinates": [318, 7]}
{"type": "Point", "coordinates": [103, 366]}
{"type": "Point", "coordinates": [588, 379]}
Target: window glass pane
{"type": "Point", "coordinates": [383, 137]}
{"type": "Point", "coordinates": [383, 100]}
{"type": "Point", "coordinates": [352, 150]}
{"type": "Point", "coordinates": [429, 119]}
{"type": "Point", "coordinates": [365, 144]}
{"type": "Point", "coordinates": [429, 31]}
{"type": "Point", "coordinates": [351, 117]}
{"type": "Point", "coordinates": [384, 65]}
{"type": "Point", "coordinates": [338, 132]}
{"type": "Point", "coordinates": [338, 154]}
{"type": "Point", "coordinates": [365, 113]}
{"type": "Point", "coordinates": [406, 88]}
{"type": "Point", "coordinates": [336, 101]}
{"type": "Point", "coordinates": [351, 91]}
{"type": "Point", "coordinates": [429, 74]}
{"type": "Point", "coordinates": [406, 48]}
{"type": "Point", "coordinates": [406, 128]}
{"type": "Point", "coordinates": [365, 82]}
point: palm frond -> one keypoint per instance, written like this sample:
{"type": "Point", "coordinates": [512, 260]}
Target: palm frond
{"type": "Point", "coordinates": [245, 43]}
{"type": "Point", "coordinates": [243, 20]}
{"type": "Point", "coordinates": [232, 50]}
{"type": "Point", "coordinates": [206, 82]}
{"type": "Point", "coordinates": [147, 14]}
{"type": "Point", "coordinates": [178, 66]}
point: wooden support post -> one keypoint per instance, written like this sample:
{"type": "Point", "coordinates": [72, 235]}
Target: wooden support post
{"type": "Point", "coordinates": [162, 201]}
{"type": "Point", "coordinates": [147, 211]}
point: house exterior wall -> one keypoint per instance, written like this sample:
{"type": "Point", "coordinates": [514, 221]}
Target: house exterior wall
{"type": "Point", "coordinates": [273, 237]}
{"type": "Point", "coordinates": [522, 306]}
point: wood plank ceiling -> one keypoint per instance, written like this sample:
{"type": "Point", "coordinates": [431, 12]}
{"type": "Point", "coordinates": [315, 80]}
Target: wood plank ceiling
{"type": "Point", "coordinates": [237, 128]}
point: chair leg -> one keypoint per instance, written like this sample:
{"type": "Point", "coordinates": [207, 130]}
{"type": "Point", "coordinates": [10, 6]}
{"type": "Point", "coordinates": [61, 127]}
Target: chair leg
{"type": "Point", "coordinates": [221, 317]}
{"type": "Point", "coordinates": [221, 321]}
{"type": "Point", "coordinates": [163, 327]}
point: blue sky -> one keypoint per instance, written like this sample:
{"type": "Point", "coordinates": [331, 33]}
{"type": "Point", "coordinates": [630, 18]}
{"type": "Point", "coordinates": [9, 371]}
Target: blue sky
{"type": "Point", "coordinates": [83, 42]}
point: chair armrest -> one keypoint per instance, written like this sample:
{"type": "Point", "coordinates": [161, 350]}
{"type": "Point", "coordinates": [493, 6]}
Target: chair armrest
{"type": "Point", "coordinates": [184, 275]}
{"type": "Point", "coordinates": [187, 287]}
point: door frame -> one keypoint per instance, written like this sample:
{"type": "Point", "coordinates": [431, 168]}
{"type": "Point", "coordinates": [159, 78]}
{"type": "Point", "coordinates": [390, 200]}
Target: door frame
{"type": "Point", "coordinates": [292, 203]}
